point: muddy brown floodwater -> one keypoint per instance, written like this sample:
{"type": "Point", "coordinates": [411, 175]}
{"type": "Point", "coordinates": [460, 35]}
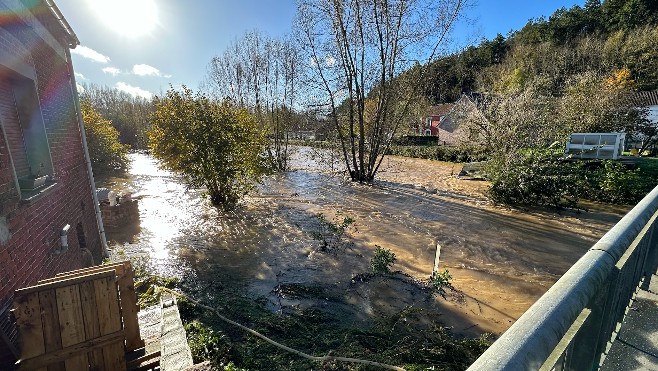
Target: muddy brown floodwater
{"type": "Point", "coordinates": [501, 260]}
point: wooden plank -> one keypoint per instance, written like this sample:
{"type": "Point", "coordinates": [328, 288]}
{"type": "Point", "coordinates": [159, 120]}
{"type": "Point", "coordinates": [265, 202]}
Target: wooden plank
{"type": "Point", "coordinates": [71, 327]}
{"type": "Point", "coordinates": [137, 362]}
{"type": "Point", "coordinates": [115, 357]}
{"type": "Point", "coordinates": [91, 325]}
{"type": "Point", "coordinates": [28, 320]}
{"type": "Point", "coordinates": [109, 319]}
{"type": "Point", "coordinates": [63, 283]}
{"type": "Point", "coordinates": [50, 321]}
{"type": "Point", "coordinates": [129, 309]}
{"type": "Point", "coordinates": [73, 274]}
{"type": "Point", "coordinates": [80, 348]}
{"type": "Point", "coordinates": [94, 269]}
{"type": "Point", "coordinates": [149, 366]}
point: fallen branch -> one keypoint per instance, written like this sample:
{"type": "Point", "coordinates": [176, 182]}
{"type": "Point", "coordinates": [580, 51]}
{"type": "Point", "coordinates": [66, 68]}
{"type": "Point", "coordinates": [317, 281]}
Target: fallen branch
{"type": "Point", "coordinates": [279, 345]}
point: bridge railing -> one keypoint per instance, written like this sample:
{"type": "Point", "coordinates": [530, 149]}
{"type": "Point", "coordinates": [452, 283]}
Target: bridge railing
{"type": "Point", "coordinates": [573, 325]}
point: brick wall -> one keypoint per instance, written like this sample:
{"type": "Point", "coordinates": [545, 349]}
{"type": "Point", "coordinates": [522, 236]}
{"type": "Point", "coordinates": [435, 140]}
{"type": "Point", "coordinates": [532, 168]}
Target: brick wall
{"type": "Point", "coordinates": [120, 214]}
{"type": "Point", "coordinates": [34, 226]}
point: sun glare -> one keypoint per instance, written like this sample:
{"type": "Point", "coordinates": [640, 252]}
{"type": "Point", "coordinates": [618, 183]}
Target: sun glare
{"type": "Point", "coordinates": [130, 18]}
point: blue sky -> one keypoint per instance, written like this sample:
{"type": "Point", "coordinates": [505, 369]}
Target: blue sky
{"type": "Point", "coordinates": [143, 46]}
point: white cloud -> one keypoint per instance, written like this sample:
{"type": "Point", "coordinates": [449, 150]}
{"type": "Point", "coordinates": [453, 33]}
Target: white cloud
{"type": "Point", "coordinates": [330, 61]}
{"type": "Point", "coordinates": [145, 70]}
{"type": "Point", "coordinates": [112, 71]}
{"type": "Point", "coordinates": [134, 90]}
{"type": "Point", "coordinates": [80, 76]}
{"type": "Point", "coordinates": [167, 76]}
{"type": "Point", "coordinates": [90, 53]}
{"type": "Point", "coordinates": [80, 88]}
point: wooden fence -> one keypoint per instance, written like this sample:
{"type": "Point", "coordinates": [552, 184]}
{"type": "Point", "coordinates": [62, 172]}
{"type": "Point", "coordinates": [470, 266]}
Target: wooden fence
{"type": "Point", "coordinates": [78, 320]}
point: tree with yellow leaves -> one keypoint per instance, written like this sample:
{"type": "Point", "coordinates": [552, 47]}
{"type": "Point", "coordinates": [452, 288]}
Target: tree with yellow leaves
{"type": "Point", "coordinates": [105, 151]}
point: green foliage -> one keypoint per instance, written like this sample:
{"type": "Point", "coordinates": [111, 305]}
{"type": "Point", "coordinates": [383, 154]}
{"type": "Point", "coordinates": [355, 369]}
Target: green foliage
{"type": "Point", "coordinates": [615, 183]}
{"type": "Point", "coordinates": [536, 180]}
{"type": "Point", "coordinates": [330, 232]}
{"type": "Point", "coordinates": [439, 153]}
{"type": "Point", "coordinates": [147, 289]}
{"type": "Point", "coordinates": [105, 151]}
{"type": "Point", "coordinates": [440, 281]}
{"type": "Point", "coordinates": [208, 345]}
{"type": "Point", "coordinates": [129, 115]}
{"type": "Point", "coordinates": [404, 338]}
{"type": "Point", "coordinates": [543, 180]}
{"type": "Point", "coordinates": [382, 260]}
{"type": "Point", "coordinates": [213, 145]}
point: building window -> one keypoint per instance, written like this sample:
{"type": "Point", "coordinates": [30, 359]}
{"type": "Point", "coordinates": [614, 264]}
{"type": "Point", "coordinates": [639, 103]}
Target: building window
{"type": "Point", "coordinates": [82, 242]}
{"type": "Point", "coordinates": [22, 123]}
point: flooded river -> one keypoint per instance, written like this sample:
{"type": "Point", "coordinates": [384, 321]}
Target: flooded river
{"type": "Point", "coordinates": [501, 260]}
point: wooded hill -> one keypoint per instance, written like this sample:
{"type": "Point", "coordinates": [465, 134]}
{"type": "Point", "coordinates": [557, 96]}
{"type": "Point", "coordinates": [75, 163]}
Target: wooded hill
{"type": "Point", "coordinates": [602, 38]}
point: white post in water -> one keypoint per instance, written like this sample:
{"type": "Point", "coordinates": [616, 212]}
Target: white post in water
{"type": "Point", "coordinates": [437, 255]}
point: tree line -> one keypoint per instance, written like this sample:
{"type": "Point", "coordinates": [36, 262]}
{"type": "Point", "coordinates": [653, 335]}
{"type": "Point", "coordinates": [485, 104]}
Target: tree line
{"type": "Point", "coordinates": [368, 68]}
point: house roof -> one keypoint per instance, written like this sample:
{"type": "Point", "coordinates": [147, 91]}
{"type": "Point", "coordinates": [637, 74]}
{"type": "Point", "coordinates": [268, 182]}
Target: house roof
{"type": "Point", "coordinates": [644, 98]}
{"type": "Point", "coordinates": [60, 25]}
{"type": "Point", "coordinates": [439, 110]}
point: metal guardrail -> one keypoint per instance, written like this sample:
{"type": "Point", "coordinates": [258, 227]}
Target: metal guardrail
{"type": "Point", "coordinates": [573, 325]}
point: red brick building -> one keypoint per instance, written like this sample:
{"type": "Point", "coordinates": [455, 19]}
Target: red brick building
{"type": "Point", "coordinates": [45, 181]}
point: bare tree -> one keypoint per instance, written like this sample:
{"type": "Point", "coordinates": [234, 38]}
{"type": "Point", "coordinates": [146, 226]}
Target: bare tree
{"type": "Point", "coordinates": [357, 50]}
{"type": "Point", "coordinates": [260, 74]}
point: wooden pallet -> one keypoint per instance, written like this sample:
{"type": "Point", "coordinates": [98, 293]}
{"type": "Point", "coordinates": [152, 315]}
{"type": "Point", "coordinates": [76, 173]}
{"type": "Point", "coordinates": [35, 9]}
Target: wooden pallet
{"type": "Point", "coordinates": [79, 320]}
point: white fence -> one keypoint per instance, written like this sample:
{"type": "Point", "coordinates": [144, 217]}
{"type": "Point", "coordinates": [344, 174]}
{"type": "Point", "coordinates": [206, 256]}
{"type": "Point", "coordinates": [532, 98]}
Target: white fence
{"type": "Point", "coordinates": [608, 146]}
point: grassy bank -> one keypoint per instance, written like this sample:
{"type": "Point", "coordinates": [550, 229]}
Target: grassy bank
{"type": "Point", "coordinates": [402, 340]}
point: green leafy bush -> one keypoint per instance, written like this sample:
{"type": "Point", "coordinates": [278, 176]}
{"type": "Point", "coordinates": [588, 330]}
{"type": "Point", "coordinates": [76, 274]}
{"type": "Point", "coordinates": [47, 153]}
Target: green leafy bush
{"type": "Point", "coordinates": [382, 260]}
{"type": "Point", "coordinates": [106, 153]}
{"type": "Point", "coordinates": [615, 183]}
{"type": "Point", "coordinates": [544, 180]}
{"type": "Point", "coordinates": [441, 281]}
{"type": "Point", "coordinates": [207, 344]}
{"type": "Point", "coordinates": [214, 145]}
{"type": "Point", "coordinates": [439, 153]}
{"type": "Point", "coordinates": [537, 180]}
{"type": "Point", "coordinates": [330, 233]}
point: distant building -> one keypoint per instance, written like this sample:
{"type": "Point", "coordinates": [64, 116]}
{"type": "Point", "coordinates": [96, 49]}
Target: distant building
{"type": "Point", "coordinates": [429, 124]}
{"type": "Point", "coordinates": [445, 121]}
{"type": "Point", "coordinates": [45, 184]}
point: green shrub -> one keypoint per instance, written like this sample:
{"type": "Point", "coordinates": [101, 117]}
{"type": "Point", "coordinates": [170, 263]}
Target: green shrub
{"type": "Point", "coordinates": [440, 281]}
{"type": "Point", "coordinates": [439, 153]}
{"type": "Point", "coordinates": [537, 180]}
{"type": "Point", "coordinates": [207, 344]}
{"type": "Point", "coordinates": [330, 233]}
{"type": "Point", "coordinates": [613, 182]}
{"type": "Point", "coordinates": [382, 260]}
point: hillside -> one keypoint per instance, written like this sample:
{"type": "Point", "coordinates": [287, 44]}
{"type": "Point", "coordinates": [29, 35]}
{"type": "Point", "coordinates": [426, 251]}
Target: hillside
{"type": "Point", "coordinates": [599, 38]}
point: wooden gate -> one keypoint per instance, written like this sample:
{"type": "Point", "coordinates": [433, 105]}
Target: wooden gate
{"type": "Point", "coordinates": [78, 320]}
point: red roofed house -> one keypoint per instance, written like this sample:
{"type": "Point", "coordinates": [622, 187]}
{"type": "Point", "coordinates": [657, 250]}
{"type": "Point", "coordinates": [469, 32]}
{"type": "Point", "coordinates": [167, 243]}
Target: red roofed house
{"type": "Point", "coordinates": [445, 121]}
{"type": "Point", "coordinates": [48, 209]}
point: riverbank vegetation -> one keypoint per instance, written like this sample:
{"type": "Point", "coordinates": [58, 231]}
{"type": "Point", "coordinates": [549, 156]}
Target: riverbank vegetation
{"type": "Point", "coordinates": [129, 115]}
{"type": "Point", "coordinates": [214, 145]}
{"type": "Point", "coordinates": [106, 153]}
{"type": "Point", "coordinates": [574, 71]}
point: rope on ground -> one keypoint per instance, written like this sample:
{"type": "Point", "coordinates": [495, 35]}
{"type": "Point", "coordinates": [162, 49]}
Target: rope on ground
{"type": "Point", "coordinates": [279, 345]}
